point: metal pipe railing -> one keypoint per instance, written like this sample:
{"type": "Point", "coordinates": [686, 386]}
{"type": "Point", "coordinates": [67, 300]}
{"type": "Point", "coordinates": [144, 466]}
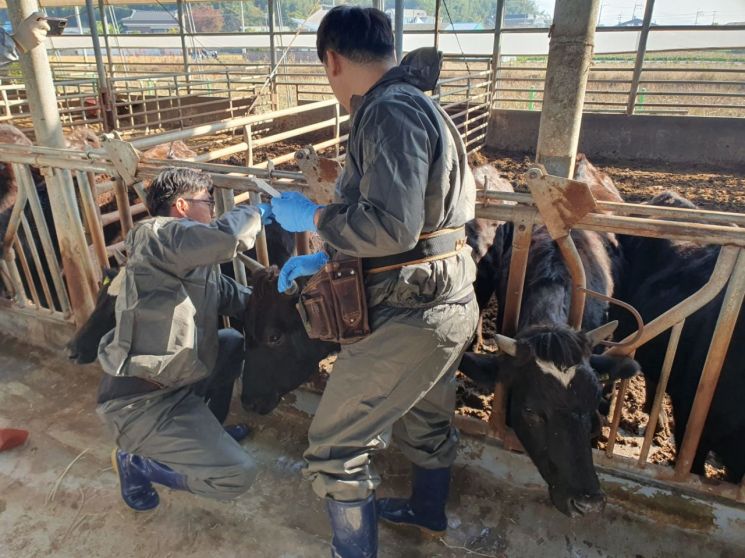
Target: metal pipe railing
{"type": "Point", "coordinates": [725, 326]}
{"type": "Point", "coordinates": [654, 413]}
{"type": "Point", "coordinates": [717, 227]}
{"type": "Point", "coordinates": [26, 183]}
{"type": "Point", "coordinates": [158, 139]}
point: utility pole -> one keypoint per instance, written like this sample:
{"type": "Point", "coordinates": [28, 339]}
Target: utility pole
{"type": "Point", "coordinates": [569, 59]}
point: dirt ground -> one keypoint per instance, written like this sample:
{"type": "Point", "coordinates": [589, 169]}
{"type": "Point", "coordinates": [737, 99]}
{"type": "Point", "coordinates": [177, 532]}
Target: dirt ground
{"type": "Point", "coordinates": [709, 188]}
{"type": "Point", "coordinates": [59, 496]}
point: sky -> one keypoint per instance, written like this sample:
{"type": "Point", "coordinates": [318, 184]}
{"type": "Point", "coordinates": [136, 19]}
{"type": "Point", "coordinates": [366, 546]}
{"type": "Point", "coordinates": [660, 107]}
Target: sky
{"type": "Point", "coordinates": [671, 12]}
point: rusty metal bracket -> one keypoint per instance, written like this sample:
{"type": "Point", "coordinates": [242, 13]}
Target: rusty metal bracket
{"type": "Point", "coordinates": [124, 157]}
{"type": "Point", "coordinates": [320, 173]}
{"type": "Point", "coordinates": [561, 202]}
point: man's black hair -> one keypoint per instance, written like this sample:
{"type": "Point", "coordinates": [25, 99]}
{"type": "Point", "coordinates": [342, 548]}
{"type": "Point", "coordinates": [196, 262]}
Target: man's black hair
{"type": "Point", "coordinates": [362, 35]}
{"type": "Point", "coordinates": [172, 183]}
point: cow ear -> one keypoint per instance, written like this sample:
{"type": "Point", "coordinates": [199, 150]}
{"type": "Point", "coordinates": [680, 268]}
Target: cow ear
{"type": "Point", "coordinates": [487, 370]}
{"type": "Point", "coordinates": [612, 368]}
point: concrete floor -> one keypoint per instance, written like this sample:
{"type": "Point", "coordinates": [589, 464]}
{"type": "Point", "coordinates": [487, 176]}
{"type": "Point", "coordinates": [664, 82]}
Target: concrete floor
{"type": "Point", "coordinates": [52, 506]}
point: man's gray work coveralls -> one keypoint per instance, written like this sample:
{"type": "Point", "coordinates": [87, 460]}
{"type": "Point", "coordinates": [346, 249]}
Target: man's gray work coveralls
{"type": "Point", "coordinates": [165, 345]}
{"type": "Point", "coordinates": [405, 174]}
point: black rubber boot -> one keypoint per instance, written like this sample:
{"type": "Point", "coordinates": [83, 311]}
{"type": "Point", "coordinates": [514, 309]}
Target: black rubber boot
{"type": "Point", "coordinates": [426, 507]}
{"type": "Point", "coordinates": [136, 475]}
{"type": "Point", "coordinates": [355, 528]}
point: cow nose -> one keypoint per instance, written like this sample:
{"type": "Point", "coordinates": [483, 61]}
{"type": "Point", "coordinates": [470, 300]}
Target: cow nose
{"type": "Point", "coordinates": [588, 503]}
{"type": "Point", "coordinates": [263, 405]}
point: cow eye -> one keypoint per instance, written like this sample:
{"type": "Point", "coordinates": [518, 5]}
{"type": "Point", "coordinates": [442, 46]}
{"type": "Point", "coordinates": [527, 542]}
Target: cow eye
{"type": "Point", "coordinates": [274, 339]}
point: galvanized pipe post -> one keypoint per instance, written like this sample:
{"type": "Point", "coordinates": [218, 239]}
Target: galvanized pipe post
{"type": "Point", "coordinates": [569, 59]}
{"type": "Point", "coordinates": [272, 57]}
{"type": "Point", "coordinates": [496, 50]}
{"type": "Point", "coordinates": [184, 48]}
{"type": "Point", "coordinates": [104, 91]}
{"type": "Point", "coordinates": [379, 5]}
{"type": "Point", "coordinates": [105, 25]}
{"type": "Point", "coordinates": [641, 50]}
{"type": "Point", "coordinates": [48, 129]}
{"type": "Point", "coordinates": [438, 88]}
{"type": "Point", "coordinates": [399, 29]}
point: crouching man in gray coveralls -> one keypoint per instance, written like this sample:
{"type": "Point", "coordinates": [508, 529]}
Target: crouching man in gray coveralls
{"type": "Point", "coordinates": [402, 201]}
{"type": "Point", "coordinates": [166, 349]}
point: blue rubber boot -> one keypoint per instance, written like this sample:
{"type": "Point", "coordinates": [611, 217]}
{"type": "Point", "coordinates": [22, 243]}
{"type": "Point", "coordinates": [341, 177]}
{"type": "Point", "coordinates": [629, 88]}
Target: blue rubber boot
{"type": "Point", "coordinates": [426, 507]}
{"type": "Point", "coordinates": [136, 475]}
{"type": "Point", "coordinates": [355, 528]}
{"type": "Point", "coordinates": [163, 474]}
{"type": "Point", "coordinates": [137, 491]}
{"type": "Point", "coordinates": [238, 432]}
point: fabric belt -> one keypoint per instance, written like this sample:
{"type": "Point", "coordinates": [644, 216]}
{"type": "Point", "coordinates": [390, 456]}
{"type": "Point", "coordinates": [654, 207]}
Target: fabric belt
{"type": "Point", "coordinates": [433, 246]}
{"type": "Point", "coordinates": [115, 387]}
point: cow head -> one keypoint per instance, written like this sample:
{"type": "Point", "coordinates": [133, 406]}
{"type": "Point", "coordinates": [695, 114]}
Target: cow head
{"type": "Point", "coordinates": [279, 355]}
{"type": "Point", "coordinates": [554, 395]}
{"type": "Point", "coordinates": [83, 347]}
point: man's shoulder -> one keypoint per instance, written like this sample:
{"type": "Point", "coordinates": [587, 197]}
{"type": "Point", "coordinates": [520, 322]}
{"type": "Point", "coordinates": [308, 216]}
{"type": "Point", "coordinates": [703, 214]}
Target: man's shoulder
{"type": "Point", "coordinates": [148, 233]}
{"type": "Point", "coordinates": [398, 96]}
{"type": "Point", "coordinates": [398, 106]}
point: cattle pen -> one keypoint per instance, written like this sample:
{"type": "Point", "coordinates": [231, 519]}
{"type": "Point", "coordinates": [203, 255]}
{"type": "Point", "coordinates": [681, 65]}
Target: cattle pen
{"type": "Point", "coordinates": [256, 116]}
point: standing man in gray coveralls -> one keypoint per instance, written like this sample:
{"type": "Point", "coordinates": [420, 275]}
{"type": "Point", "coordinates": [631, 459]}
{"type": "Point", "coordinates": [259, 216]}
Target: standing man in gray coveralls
{"type": "Point", "coordinates": [166, 348]}
{"type": "Point", "coordinates": [405, 184]}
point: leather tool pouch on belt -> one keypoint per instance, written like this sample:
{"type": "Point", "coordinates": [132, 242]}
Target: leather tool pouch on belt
{"type": "Point", "coordinates": [333, 305]}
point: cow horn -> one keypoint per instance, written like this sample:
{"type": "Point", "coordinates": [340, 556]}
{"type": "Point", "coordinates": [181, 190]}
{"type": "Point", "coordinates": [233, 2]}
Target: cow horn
{"type": "Point", "coordinates": [600, 334]}
{"type": "Point", "coordinates": [250, 263]}
{"type": "Point", "coordinates": [507, 345]}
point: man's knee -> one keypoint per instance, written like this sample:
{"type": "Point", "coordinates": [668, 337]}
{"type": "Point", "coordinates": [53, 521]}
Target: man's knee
{"type": "Point", "coordinates": [226, 483]}
{"type": "Point", "coordinates": [427, 445]}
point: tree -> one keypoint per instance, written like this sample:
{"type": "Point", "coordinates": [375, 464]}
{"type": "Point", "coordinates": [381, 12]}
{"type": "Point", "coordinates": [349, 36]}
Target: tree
{"type": "Point", "coordinates": [523, 7]}
{"type": "Point", "coordinates": [207, 19]}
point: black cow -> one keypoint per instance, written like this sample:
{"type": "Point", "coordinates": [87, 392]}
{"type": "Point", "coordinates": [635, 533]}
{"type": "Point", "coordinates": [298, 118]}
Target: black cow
{"type": "Point", "coordinates": [554, 396]}
{"type": "Point", "coordinates": [547, 292]}
{"type": "Point", "coordinates": [658, 274]}
{"type": "Point", "coordinates": [279, 355]}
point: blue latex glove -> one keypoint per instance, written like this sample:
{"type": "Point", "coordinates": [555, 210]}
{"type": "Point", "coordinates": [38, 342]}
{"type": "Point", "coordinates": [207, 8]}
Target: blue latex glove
{"type": "Point", "coordinates": [300, 266]}
{"type": "Point", "coordinates": [294, 212]}
{"type": "Point", "coordinates": [265, 210]}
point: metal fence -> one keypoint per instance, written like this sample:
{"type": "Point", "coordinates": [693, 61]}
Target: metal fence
{"type": "Point", "coordinates": [723, 229]}
{"type": "Point", "coordinates": [153, 102]}
{"type": "Point", "coordinates": [77, 101]}
{"type": "Point", "coordinates": [30, 272]}
{"type": "Point", "coordinates": [684, 91]}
